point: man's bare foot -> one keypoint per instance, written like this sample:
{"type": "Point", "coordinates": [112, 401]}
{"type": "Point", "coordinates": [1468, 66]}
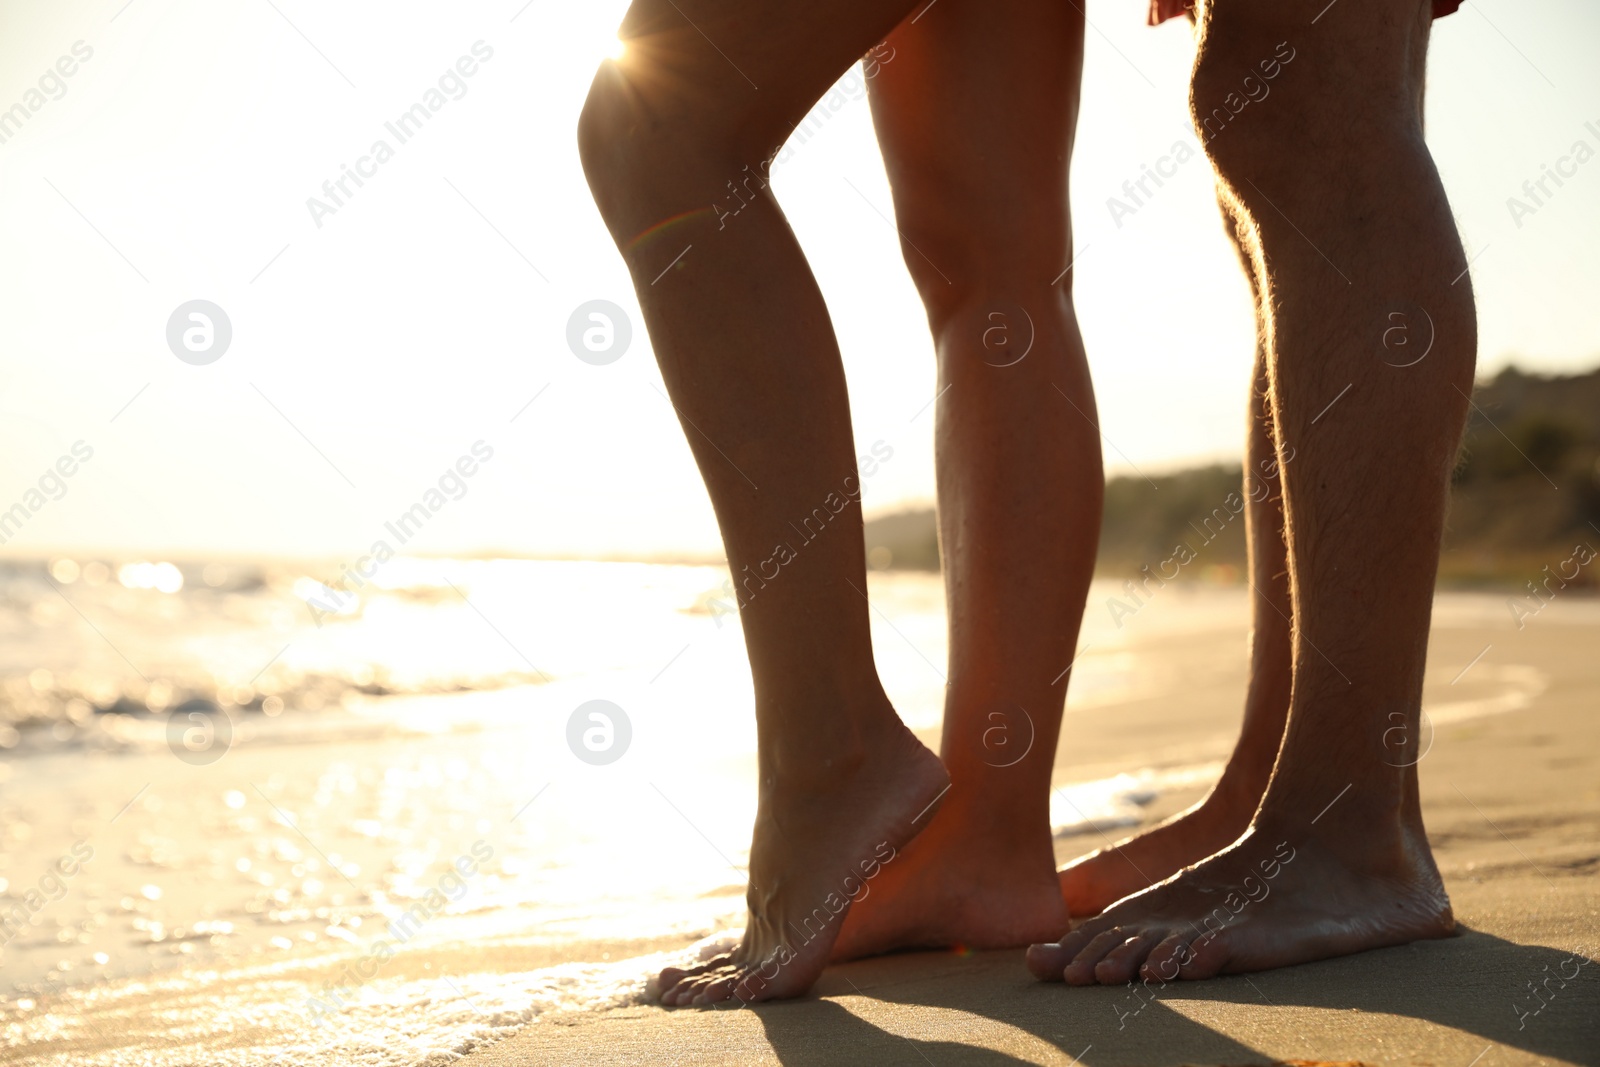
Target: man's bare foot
{"type": "Point", "coordinates": [819, 845]}
{"type": "Point", "coordinates": [1092, 883]}
{"type": "Point", "coordinates": [962, 882]}
{"type": "Point", "coordinates": [1267, 901]}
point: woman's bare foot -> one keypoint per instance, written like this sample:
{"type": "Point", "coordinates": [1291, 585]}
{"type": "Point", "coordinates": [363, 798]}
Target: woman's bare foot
{"type": "Point", "coordinates": [1267, 901]}
{"type": "Point", "coordinates": [1092, 883]}
{"type": "Point", "coordinates": [963, 882]}
{"type": "Point", "coordinates": [819, 845]}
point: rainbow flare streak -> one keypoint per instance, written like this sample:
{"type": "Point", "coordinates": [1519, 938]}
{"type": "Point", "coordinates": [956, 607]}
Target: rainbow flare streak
{"type": "Point", "coordinates": [667, 223]}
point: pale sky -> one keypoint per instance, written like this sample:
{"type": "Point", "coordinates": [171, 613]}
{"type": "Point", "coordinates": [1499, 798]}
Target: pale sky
{"type": "Point", "coordinates": [368, 355]}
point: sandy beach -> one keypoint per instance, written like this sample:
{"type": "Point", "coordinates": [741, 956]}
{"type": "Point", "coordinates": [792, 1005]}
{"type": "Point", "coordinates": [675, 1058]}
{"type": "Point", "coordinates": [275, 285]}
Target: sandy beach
{"type": "Point", "coordinates": [595, 882]}
{"type": "Point", "coordinates": [1512, 804]}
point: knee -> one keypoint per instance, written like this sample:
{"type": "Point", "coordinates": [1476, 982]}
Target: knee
{"type": "Point", "coordinates": [1269, 94]}
{"type": "Point", "coordinates": [618, 149]}
{"type": "Point", "coordinates": [1229, 91]}
{"type": "Point", "coordinates": [963, 245]}
{"type": "Point", "coordinates": [602, 115]}
{"type": "Point", "coordinates": [648, 154]}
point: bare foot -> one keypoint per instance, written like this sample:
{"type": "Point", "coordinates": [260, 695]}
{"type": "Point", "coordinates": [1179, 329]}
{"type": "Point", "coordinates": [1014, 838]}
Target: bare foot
{"type": "Point", "coordinates": [1093, 883]}
{"type": "Point", "coordinates": [1265, 902]}
{"type": "Point", "coordinates": [960, 883]}
{"type": "Point", "coordinates": [818, 847]}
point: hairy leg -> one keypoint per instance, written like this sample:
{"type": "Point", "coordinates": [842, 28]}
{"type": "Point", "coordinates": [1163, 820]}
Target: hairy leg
{"type": "Point", "coordinates": [1096, 881]}
{"type": "Point", "coordinates": [675, 138]}
{"type": "Point", "coordinates": [1348, 225]}
{"type": "Point", "coordinates": [976, 114]}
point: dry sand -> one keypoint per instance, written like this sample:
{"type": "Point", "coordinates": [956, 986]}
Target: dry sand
{"type": "Point", "coordinates": [1512, 804]}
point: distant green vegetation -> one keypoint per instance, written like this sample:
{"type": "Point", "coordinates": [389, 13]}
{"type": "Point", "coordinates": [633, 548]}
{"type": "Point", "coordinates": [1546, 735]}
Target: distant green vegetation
{"type": "Point", "coordinates": [1527, 487]}
{"type": "Point", "coordinates": [1526, 491]}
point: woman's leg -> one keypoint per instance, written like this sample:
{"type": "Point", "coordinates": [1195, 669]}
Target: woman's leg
{"type": "Point", "coordinates": [976, 114]}
{"type": "Point", "coordinates": [674, 139]}
{"type": "Point", "coordinates": [1100, 879]}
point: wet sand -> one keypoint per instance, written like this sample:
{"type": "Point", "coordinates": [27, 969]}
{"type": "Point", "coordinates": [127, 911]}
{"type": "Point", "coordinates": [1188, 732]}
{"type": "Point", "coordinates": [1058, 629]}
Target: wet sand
{"type": "Point", "coordinates": [1512, 803]}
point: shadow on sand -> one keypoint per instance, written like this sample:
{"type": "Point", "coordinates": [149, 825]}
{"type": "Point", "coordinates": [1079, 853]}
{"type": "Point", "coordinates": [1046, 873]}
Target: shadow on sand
{"type": "Point", "coordinates": [984, 1009]}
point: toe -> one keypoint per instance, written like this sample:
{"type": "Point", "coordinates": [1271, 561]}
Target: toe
{"type": "Point", "coordinates": [687, 993]}
{"type": "Point", "coordinates": [1080, 971]}
{"type": "Point", "coordinates": [684, 991]}
{"type": "Point", "coordinates": [1206, 957]}
{"type": "Point", "coordinates": [1046, 961]}
{"type": "Point", "coordinates": [1122, 963]}
{"type": "Point", "coordinates": [715, 992]}
{"type": "Point", "coordinates": [753, 986]}
{"type": "Point", "coordinates": [672, 977]}
{"type": "Point", "coordinates": [1165, 960]}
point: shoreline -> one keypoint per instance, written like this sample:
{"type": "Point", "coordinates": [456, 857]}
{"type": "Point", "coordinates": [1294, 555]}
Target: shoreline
{"type": "Point", "coordinates": [1512, 802]}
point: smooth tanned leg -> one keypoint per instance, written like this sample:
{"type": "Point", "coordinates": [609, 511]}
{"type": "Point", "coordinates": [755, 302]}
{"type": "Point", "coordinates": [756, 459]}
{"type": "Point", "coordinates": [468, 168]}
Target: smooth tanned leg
{"type": "Point", "coordinates": [976, 113]}
{"type": "Point", "coordinates": [750, 361]}
{"type": "Point", "coordinates": [1348, 224]}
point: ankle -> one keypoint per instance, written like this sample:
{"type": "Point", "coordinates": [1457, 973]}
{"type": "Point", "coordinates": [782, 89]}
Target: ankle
{"type": "Point", "coordinates": [1362, 829]}
{"type": "Point", "coordinates": [810, 755]}
{"type": "Point", "coordinates": [1004, 834]}
{"type": "Point", "coordinates": [821, 732]}
{"type": "Point", "coordinates": [1238, 793]}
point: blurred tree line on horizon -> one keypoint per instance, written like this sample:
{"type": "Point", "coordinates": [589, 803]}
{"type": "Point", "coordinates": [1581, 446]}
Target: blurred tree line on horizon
{"type": "Point", "coordinates": [1525, 492]}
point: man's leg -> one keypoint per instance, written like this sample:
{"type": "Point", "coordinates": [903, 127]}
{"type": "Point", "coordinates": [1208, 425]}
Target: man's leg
{"type": "Point", "coordinates": [976, 112]}
{"type": "Point", "coordinates": [1100, 879]}
{"type": "Point", "coordinates": [1349, 224]}
{"type": "Point", "coordinates": [674, 138]}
